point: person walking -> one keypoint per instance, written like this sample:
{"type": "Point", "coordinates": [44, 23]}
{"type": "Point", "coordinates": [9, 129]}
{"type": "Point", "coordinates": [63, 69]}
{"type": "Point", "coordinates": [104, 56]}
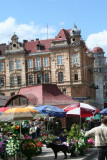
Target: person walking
{"type": "Point", "coordinates": [100, 133]}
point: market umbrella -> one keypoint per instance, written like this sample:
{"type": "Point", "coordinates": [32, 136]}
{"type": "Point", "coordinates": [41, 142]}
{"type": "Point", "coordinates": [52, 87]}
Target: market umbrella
{"type": "Point", "coordinates": [51, 110]}
{"type": "Point", "coordinates": [2, 109]}
{"type": "Point", "coordinates": [18, 114]}
{"type": "Point", "coordinates": [96, 117]}
{"type": "Point", "coordinates": [85, 110]}
{"type": "Point", "coordinates": [103, 112]}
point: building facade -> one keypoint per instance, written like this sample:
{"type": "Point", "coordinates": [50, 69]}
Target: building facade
{"type": "Point", "coordinates": [100, 67]}
{"type": "Point", "coordinates": [61, 60]}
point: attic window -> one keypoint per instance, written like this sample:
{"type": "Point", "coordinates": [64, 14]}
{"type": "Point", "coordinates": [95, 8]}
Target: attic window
{"type": "Point", "coordinates": [14, 45]}
{"type": "Point", "coordinates": [38, 47]}
{"type": "Point", "coordinates": [60, 36]}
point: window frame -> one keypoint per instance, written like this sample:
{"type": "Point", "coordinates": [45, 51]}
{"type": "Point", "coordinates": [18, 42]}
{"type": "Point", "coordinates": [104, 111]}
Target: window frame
{"type": "Point", "coordinates": [1, 66]}
{"type": "Point", "coordinates": [75, 58]}
{"type": "Point", "coordinates": [59, 60]}
{"type": "Point", "coordinates": [46, 78]}
{"type": "Point", "coordinates": [11, 65]}
{"type": "Point", "coordinates": [12, 81]}
{"type": "Point", "coordinates": [40, 78]}
{"type": "Point", "coordinates": [2, 78]}
{"type": "Point", "coordinates": [18, 64]}
{"type": "Point", "coordinates": [46, 61]}
{"type": "Point", "coordinates": [19, 80]}
{"type": "Point", "coordinates": [30, 79]}
{"type": "Point", "coordinates": [38, 63]}
{"type": "Point", "coordinates": [60, 77]}
{"type": "Point", "coordinates": [30, 63]}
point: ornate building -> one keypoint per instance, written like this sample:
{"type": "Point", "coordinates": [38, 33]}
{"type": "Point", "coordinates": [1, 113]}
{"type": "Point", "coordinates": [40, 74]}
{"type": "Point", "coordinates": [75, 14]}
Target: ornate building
{"type": "Point", "coordinates": [62, 61]}
{"type": "Point", "coordinates": [100, 67]}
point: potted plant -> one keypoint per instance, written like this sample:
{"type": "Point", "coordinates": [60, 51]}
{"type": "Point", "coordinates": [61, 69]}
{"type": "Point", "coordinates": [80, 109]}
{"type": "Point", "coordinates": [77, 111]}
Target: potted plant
{"type": "Point", "coordinates": [28, 148]}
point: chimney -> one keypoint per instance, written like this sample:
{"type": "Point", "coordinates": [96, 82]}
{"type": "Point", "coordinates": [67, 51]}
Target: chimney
{"type": "Point", "coordinates": [24, 41]}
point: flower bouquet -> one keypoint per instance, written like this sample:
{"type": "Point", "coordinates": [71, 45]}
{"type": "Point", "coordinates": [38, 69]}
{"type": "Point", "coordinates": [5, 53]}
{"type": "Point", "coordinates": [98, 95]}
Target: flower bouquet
{"type": "Point", "coordinates": [12, 146]}
{"type": "Point", "coordinates": [28, 148]}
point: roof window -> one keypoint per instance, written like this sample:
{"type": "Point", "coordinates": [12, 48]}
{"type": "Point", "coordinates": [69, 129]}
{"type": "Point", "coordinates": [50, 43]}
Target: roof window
{"type": "Point", "coordinates": [60, 36]}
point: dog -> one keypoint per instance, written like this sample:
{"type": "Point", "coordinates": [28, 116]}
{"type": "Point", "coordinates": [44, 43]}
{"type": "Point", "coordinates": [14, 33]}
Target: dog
{"type": "Point", "coordinates": [57, 148]}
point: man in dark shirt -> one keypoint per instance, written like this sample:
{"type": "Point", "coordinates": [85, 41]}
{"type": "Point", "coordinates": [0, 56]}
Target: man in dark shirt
{"type": "Point", "coordinates": [90, 124]}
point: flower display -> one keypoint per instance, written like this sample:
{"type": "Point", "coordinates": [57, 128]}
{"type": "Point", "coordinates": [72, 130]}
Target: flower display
{"type": "Point", "coordinates": [12, 146]}
{"type": "Point", "coordinates": [28, 148]}
{"type": "Point", "coordinates": [2, 145]}
{"type": "Point", "coordinates": [91, 143]}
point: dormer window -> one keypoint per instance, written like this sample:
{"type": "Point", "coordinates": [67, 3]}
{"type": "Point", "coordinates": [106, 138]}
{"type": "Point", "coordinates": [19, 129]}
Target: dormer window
{"type": "Point", "coordinates": [38, 47]}
{"type": "Point", "coordinates": [60, 36]}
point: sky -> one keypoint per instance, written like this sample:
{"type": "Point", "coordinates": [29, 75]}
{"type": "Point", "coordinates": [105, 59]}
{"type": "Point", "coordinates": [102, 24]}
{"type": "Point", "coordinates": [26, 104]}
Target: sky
{"type": "Point", "coordinates": [29, 19]}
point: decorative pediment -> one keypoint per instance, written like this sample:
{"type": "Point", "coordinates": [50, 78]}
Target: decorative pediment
{"type": "Point", "coordinates": [14, 46]}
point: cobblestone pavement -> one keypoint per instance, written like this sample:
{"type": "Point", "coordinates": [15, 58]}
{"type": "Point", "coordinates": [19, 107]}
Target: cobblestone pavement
{"type": "Point", "coordinates": [48, 154]}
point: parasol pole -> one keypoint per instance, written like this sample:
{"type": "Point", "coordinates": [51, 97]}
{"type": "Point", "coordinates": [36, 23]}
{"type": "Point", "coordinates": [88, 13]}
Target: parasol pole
{"type": "Point", "coordinates": [20, 129]}
{"type": "Point", "coordinates": [80, 119]}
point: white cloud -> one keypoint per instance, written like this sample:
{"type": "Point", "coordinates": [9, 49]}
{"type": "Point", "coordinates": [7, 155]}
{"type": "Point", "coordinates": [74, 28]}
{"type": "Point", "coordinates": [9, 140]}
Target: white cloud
{"type": "Point", "coordinates": [98, 39]}
{"type": "Point", "coordinates": [24, 31]}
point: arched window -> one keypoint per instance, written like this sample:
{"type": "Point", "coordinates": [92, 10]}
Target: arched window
{"type": "Point", "coordinates": [46, 78]}
{"type": "Point", "coordinates": [31, 79]}
{"type": "Point", "coordinates": [60, 77]}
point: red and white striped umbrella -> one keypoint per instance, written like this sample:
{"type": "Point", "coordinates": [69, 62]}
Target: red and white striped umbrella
{"type": "Point", "coordinates": [84, 110]}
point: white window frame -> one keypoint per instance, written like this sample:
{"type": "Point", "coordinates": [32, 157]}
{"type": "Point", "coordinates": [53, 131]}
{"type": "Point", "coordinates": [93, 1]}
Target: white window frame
{"type": "Point", "coordinates": [1, 66]}
{"type": "Point", "coordinates": [60, 60]}
{"type": "Point", "coordinates": [30, 63]}
{"type": "Point", "coordinates": [18, 64]}
{"type": "Point", "coordinates": [11, 63]}
{"type": "Point", "coordinates": [38, 63]}
{"type": "Point", "coordinates": [46, 61]}
{"type": "Point", "coordinates": [74, 58]}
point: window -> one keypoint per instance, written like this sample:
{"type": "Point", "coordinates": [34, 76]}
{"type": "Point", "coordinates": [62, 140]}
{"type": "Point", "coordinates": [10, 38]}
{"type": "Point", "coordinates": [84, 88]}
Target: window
{"type": "Point", "coordinates": [46, 61]}
{"type": "Point", "coordinates": [60, 77]}
{"type": "Point", "coordinates": [38, 63]}
{"type": "Point", "coordinates": [30, 63]}
{"type": "Point", "coordinates": [1, 81]}
{"type": "Point", "coordinates": [64, 90]}
{"type": "Point", "coordinates": [1, 66]}
{"type": "Point", "coordinates": [11, 65]}
{"type": "Point", "coordinates": [12, 93]}
{"type": "Point", "coordinates": [38, 47]}
{"type": "Point", "coordinates": [18, 64]}
{"type": "Point", "coordinates": [74, 58]}
{"type": "Point", "coordinates": [31, 79]}
{"type": "Point", "coordinates": [75, 77]}
{"type": "Point", "coordinates": [19, 81]}
{"type": "Point", "coordinates": [59, 60]}
{"type": "Point", "coordinates": [0, 52]}
{"type": "Point", "coordinates": [46, 78]}
{"type": "Point", "coordinates": [11, 81]}
{"type": "Point", "coordinates": [39, 78]}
